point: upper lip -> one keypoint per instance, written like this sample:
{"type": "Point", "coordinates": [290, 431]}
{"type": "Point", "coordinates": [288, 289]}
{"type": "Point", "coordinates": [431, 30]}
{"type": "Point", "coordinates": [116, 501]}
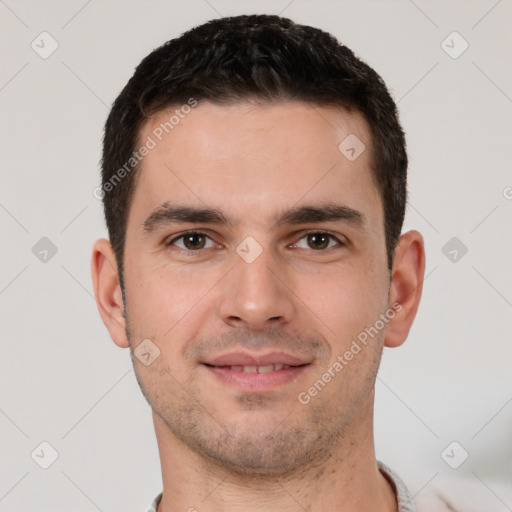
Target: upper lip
{"type": "Point", "coordinates": [247, 359]}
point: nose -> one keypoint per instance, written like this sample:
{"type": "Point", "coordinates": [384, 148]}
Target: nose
{"type": "Point", "coordinates": [256, 295]}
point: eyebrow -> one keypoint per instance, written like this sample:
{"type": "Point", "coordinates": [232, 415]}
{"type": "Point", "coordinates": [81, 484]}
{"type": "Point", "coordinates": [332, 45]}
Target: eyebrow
{"type": "Point", "coordinates": [323, 213]}
{"type": "Point", "coordinates": [167, 214]}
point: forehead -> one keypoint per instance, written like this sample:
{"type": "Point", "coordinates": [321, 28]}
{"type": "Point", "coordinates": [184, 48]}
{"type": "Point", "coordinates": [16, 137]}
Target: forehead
{"type": "Point", "coordinates": [243, 156]}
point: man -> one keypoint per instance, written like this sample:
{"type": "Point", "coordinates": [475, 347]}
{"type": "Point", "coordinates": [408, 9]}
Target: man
{"type": "Point", "coordinates": [254, 186]}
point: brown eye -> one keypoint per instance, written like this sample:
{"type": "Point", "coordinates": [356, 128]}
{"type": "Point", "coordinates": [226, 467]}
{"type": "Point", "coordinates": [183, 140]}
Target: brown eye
{"type": "Point", "coordinates": [192, 241]}
{"type": "Point", "coordinates": [318, 241]}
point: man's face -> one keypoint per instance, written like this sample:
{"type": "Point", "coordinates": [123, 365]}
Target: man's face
{"type": "Point", "coordinates": [281, 273]}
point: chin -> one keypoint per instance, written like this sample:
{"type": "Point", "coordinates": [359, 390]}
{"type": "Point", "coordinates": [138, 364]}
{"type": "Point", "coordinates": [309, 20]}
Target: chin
{"type": "Point", "coordinates": [263, 453]}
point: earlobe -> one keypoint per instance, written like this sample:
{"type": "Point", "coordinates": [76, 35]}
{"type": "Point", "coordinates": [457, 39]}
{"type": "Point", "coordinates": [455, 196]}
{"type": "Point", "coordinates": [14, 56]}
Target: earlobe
{"type": "Point", "coordinates": [406, 286]}
{"type": "Point", "coordinates": [107, 291]}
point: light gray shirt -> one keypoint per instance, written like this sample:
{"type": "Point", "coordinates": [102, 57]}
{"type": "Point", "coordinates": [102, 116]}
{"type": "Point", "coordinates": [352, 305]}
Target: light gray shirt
{"type": "Point", "coordinates": [405, 503]}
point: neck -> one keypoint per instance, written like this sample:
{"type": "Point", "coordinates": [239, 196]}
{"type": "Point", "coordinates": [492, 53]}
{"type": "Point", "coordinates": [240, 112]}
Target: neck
{"type": "Point", "coordinates": [347, 480]}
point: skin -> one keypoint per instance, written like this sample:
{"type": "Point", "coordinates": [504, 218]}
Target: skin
{"type": "Point", "coordinates": [223, 448]}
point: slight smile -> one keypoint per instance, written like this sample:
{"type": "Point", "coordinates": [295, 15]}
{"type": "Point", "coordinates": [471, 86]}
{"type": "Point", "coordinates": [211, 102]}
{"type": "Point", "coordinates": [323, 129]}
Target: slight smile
{"type": "Point", "coordinates": [256, 372]}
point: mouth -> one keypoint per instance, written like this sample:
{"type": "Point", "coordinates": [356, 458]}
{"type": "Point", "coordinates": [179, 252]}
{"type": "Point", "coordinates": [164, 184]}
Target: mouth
{"type": "Point", "coordinates": [267, 368]}
{"type": "Point", "coordinates": [256, 372]}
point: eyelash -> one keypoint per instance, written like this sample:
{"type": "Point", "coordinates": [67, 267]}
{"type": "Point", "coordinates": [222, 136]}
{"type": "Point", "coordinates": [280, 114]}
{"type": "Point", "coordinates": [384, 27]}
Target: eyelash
{"type": "Point", "coordinates": [202, 233]}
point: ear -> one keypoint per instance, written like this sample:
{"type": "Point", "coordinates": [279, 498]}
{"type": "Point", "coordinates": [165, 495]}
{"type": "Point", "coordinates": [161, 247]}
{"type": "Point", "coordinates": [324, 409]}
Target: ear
{"type": "Point", "coordinates": [406, 287]}
{"type": "Point", "coordinates": [107, 290]}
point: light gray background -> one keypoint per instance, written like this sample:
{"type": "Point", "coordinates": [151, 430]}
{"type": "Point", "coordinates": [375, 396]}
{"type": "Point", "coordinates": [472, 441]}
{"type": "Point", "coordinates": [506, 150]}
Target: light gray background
{"type": "Point", "coordinates": [65, 382]}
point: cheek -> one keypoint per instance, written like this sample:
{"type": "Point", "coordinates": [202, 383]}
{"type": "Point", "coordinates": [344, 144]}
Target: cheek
{"type": "Point", "coordinates": [344, 302]}
{"type": "Point", "coordinates": [164, 302]}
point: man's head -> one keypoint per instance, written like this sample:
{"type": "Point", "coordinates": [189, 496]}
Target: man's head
{"type": "Point", "coordinates": [257, 234]}
{"type": "Point", "coordinates": [260, 58]}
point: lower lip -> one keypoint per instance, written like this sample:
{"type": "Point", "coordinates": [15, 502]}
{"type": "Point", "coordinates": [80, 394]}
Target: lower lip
{"type": "Point", "coordinates": [257, 381]}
